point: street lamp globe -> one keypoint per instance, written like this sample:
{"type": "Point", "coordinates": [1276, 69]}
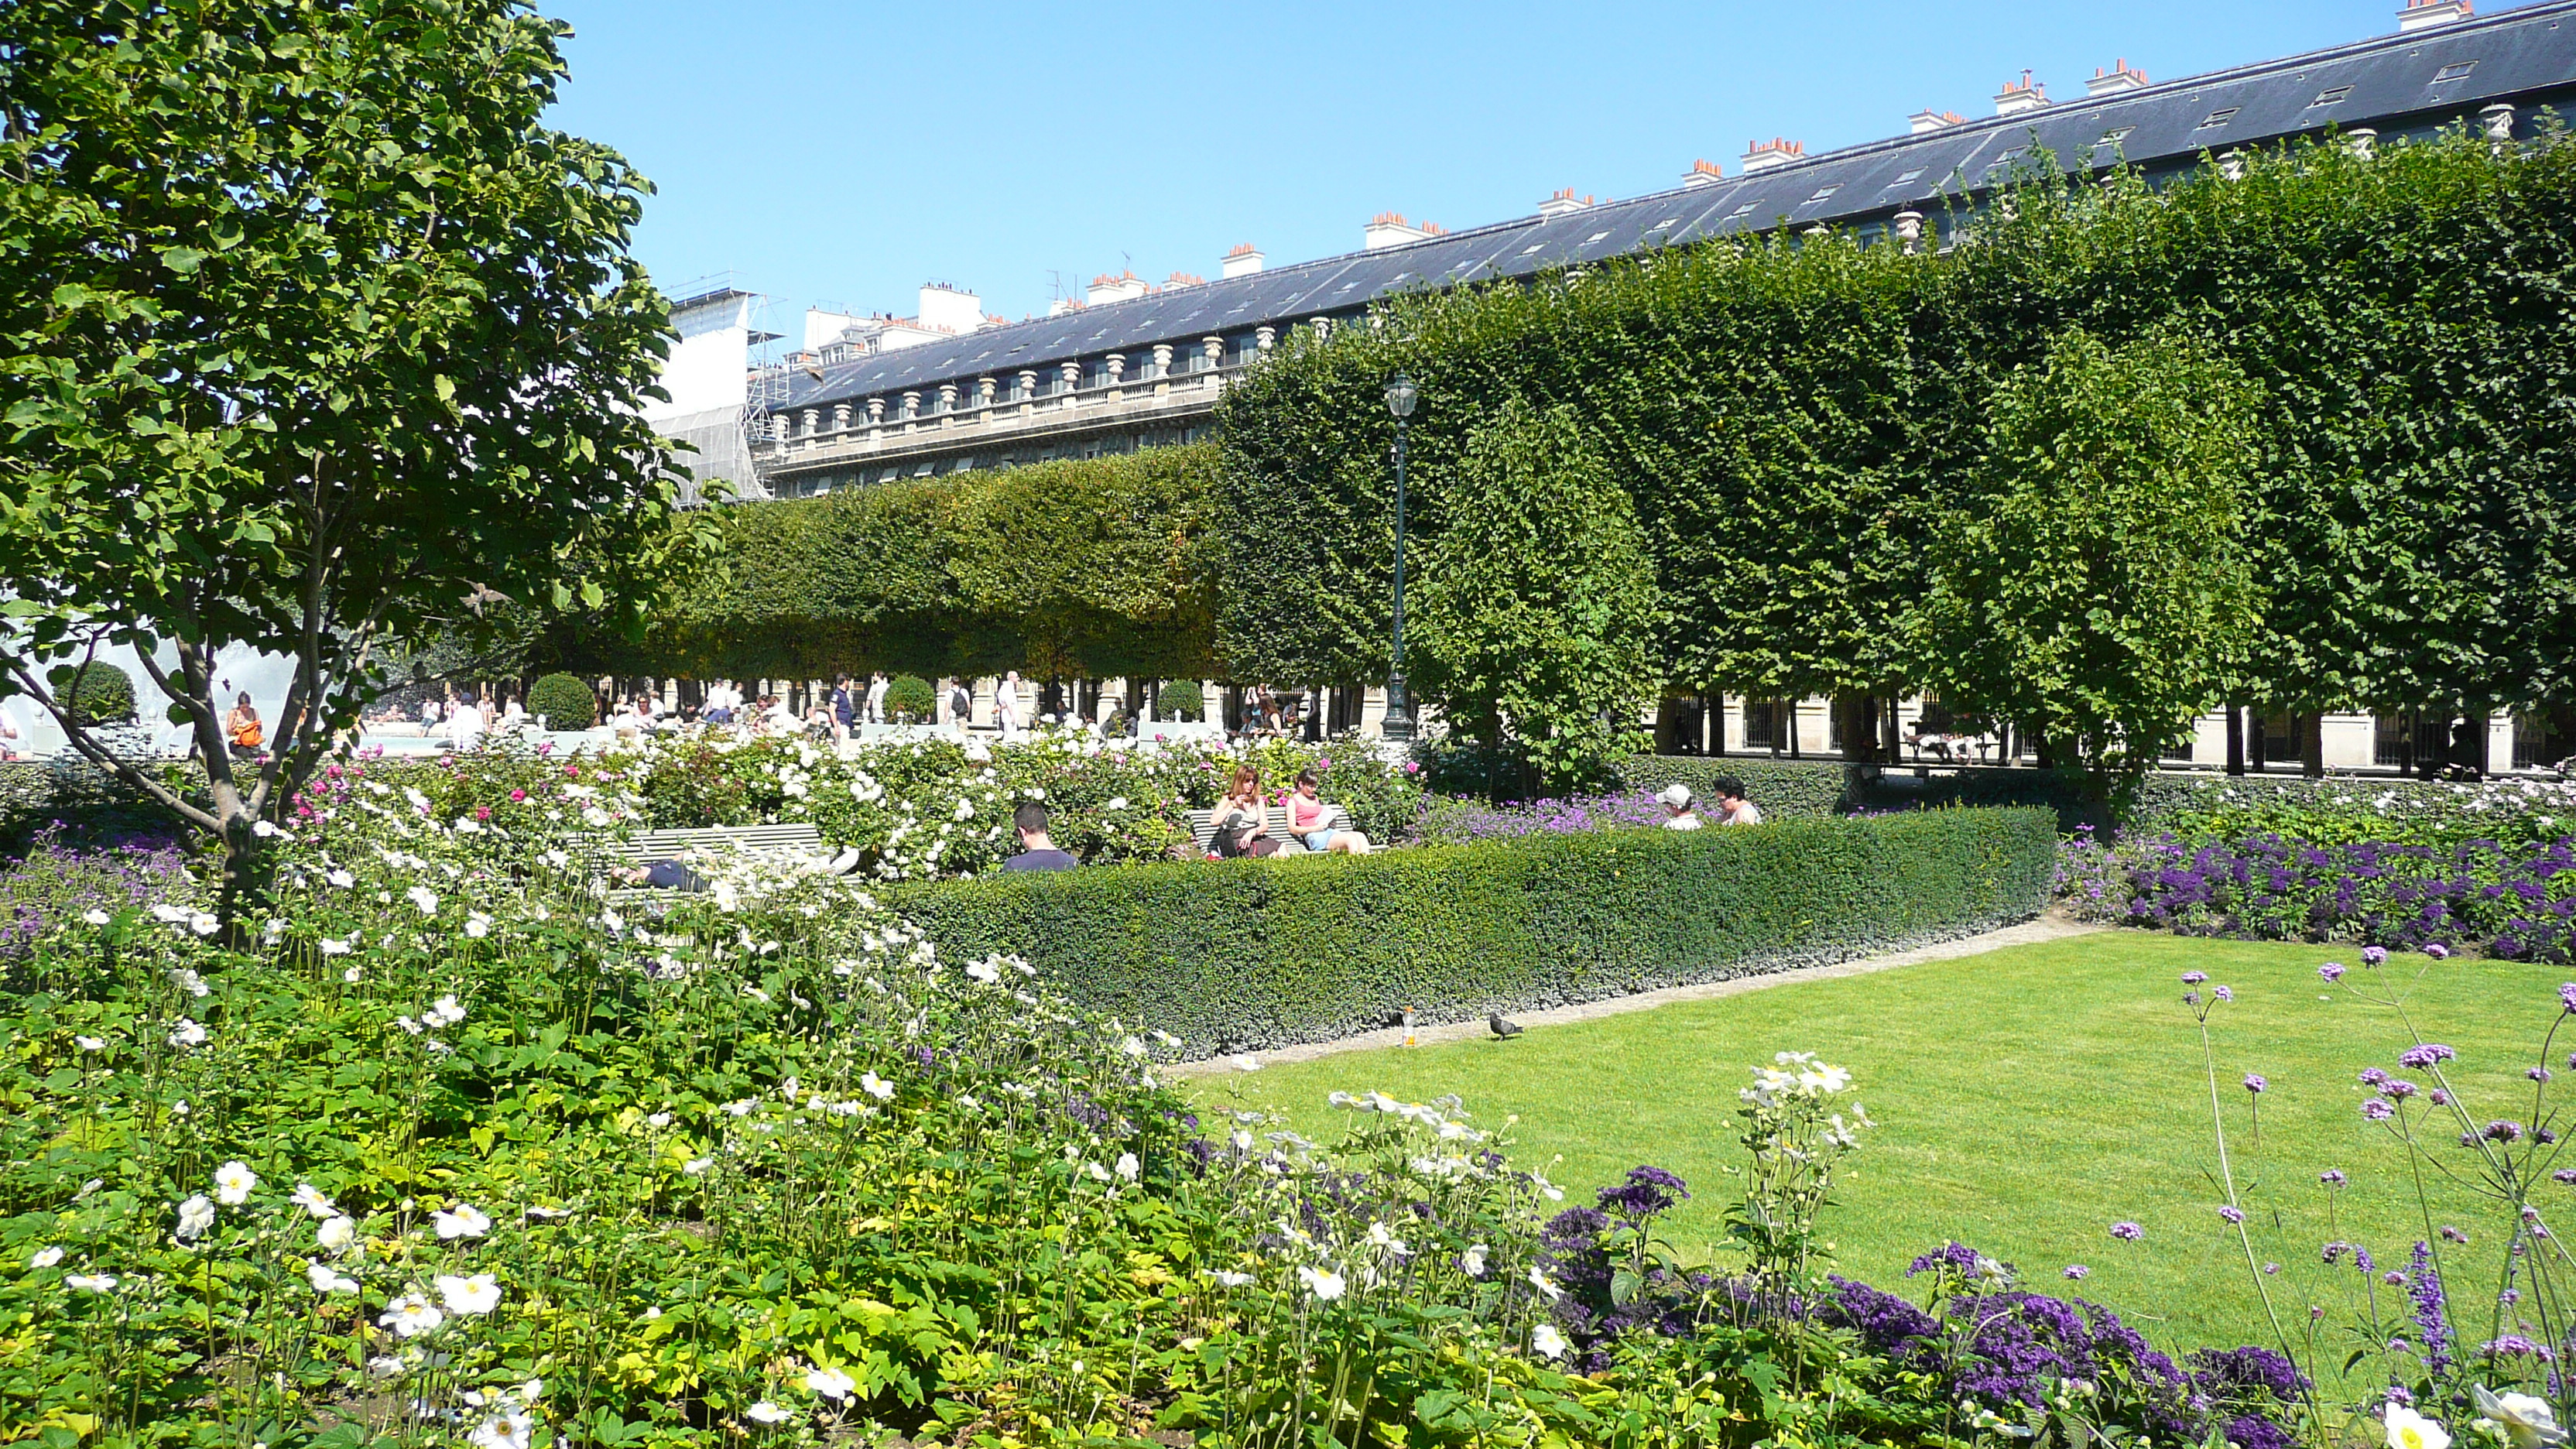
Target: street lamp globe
{"type": "Point", "coordinates": [1400, 395]}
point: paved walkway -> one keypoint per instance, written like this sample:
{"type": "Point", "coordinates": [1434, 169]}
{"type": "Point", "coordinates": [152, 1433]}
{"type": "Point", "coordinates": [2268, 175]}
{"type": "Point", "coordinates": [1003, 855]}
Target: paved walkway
{"type": "Point", "coordinates": [2046, 928]}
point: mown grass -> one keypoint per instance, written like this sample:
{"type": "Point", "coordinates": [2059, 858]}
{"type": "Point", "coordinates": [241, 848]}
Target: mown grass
{"type": "Point", "coordinates": [2029, 1098]}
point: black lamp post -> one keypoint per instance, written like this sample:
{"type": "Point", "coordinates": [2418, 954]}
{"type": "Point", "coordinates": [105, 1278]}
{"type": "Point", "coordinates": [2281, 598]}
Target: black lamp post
{"type": "Point", "coordinates": [1398, 726]}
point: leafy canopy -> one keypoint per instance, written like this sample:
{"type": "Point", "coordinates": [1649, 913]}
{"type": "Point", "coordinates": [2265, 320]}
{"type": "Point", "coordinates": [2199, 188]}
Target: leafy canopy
{"type": "Point", "coordinates": [312, 336]}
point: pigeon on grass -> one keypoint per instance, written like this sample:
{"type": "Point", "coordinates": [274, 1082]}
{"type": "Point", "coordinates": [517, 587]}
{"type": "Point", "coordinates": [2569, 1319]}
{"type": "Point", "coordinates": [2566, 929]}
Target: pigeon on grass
{"type": "Point", "coordinates": [1504, 1028]}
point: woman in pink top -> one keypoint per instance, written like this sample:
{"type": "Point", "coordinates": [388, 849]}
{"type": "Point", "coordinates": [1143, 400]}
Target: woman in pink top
{"type": "Point", "coordinates": [1306, 816]}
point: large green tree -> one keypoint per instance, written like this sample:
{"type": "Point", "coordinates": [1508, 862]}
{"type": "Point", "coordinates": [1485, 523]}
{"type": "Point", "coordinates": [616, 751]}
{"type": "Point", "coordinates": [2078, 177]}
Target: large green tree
{"type": "Point", "coordinates": [312, 336]}
{"type": "Point", "coordinates": [2095, 585]}
{"type": "Point", "coordinates": [1538, 607]}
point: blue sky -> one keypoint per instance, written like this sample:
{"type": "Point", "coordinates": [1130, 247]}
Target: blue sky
{"type": "Point", "coordinates": [844, 153]}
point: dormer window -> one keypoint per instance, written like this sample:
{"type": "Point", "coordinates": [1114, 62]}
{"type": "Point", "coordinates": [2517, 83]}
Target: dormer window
{"type": "Point", "coordinates": [2456, 70]}
{"type": "Point", "coordinates": [2331, 97]}
{"type": "Point", "coordinates": [2218, 118]}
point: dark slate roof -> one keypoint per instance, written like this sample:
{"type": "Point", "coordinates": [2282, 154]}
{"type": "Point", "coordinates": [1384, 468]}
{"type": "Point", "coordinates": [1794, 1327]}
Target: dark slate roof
{"type": "Point", "coordinates": [2526, 56]}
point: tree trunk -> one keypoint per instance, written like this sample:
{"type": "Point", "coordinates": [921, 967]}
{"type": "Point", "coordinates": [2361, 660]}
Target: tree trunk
{"type": "Point", "coordinates": [2236, 739]}
{"type": "Point", "coordinates": [2312, 745]}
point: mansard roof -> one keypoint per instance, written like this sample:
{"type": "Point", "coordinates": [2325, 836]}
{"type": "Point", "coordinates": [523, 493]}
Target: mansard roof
{"type": "Point", "coordinates": [2394, 84]}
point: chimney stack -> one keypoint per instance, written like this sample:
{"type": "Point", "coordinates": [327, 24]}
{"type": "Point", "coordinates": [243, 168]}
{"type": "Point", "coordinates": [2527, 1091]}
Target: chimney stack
{"type": "Point", "coordinates": [2117, 79]}
{"type": "Point", "coordinates": [1772, 154]}
{"type": "Point", "coordinates": [1704, 173]}
{"type": "Point", "coordinates": [1390, 229]}
{"type": "Point", "coordinates": [1243, 261]}
{"type": "Point", "coordinates": [2425, 14]}
{"type": "Point", "coordinates": [2020, 97]}
{"type": "Point", "coordinates": [1927, 120]}
{"type": "Point", "coordinates": [946, 309]}
{"type": "Point", "coordinates": [1106, 288]}
{"type": "Point", "coordinates": [1563, 203]}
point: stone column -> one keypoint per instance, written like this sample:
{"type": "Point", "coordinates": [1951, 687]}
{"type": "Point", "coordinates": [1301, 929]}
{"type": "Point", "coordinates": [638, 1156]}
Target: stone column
{"type": "Point", "coordinates": [911, 407]}
{"type": "Point", "coordinates": [948, 397]}
{"type": "Point", "coordinates": [813, 419]}
{"type": "Point", "coordinates": [1117, 368]}
{"type": "Point", "coordinates": [876, 413]}
{"type": "Point", "coordinates": [1162, 369]}
{"type": "Point", "coordinates": [1028, 393]}
{"type": "Point", "coordinates": [1072, 372]}
{"type": "Point", "coordinates": [1262, 337]}
{"type": "Point", "coordinates": [983, 392]}
{"type": "Point", "coordinates": [1212, 353]}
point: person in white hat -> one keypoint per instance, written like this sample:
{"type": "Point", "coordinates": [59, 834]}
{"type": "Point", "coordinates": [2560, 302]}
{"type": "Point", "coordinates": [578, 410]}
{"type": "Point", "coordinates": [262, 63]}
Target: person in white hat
{"type": "Point", "coordinates": [1679, 811]}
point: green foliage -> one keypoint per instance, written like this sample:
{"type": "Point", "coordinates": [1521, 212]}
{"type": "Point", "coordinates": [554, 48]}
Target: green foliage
{"type": "Point", "coordinates": [1097, 567]}
{"type": "Point", "coordinates": [1785, 789]}
{"type": "Point", "coordinates": [1179, 699]}
{"type": "Point", "coordinates": [565, 700]}
{"type": "Point", "coordinates": [1538, 602]}
{"type": "Point", "coordinates": [2094, 583]}
{"type": "Point", "coordinates": [316, 337]}
{"type": "Point", "coordinates": [1794, 421]}
{"type": "Point", "coordinates": [95, 693]}
{"type": "Point", "coordinates": [2442, 816]}
{"type": "Point", "coordinates": [1244, 954]}
{"type": "Point", "coordinates": [909, 699]}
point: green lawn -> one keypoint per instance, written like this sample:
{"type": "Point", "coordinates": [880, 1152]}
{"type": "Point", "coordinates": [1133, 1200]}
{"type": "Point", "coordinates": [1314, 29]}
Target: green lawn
{"type": "Point", "coordinates": [2028, 1098]}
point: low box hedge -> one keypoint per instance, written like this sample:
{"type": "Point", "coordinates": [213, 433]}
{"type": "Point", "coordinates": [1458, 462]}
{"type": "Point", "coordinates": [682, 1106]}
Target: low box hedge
{"type": "Point", "coordinates": [1245, 955]}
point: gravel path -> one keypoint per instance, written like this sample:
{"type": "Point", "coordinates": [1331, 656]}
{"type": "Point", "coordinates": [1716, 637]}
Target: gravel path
{"type": "Point", "coordinates": [2046, 928]}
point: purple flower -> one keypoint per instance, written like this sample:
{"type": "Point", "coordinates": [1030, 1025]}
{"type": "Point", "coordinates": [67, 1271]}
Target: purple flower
{"type": "Point", "coordinates": [2567, 996]}
{"type": "Point", "coordinates": [2076, 1270]}
{"type": "Point", "coordinates": [2374, 955]}
{"type": "Point", "coordinates": [2425, 1054]}
{"type": "Point", "coordinates": [2232, 1213]}
{"type": "Point", "coordinates": [2377, 1110]}
{"type": "Point", "coordinates": [2194, 978]}
{"type": "Point", "coordinates": [2271, 1270]}
{"type": "Point", "coordinates": [2333, 1253]}
{"type": "Point", "coordinates": [2437, 950]}
{"type": "Point", "coordinates": [2333, 1177]}
{"type": "Point", "coordinates": [2222, 993]}
{"type": "Point", "coordinates": [2566, 1175]}
{"type": "Point", "coordinates": [2503, 1131]}
{"type": "Point", "coordinates": [2331, 971]}
{"type": "Point", "coordinates": [2255, 1083]}
{"type": "Point", "coordinates": [2453, 1235]}
{"type": "Point", "coordinates": [2127, 1232]}
{"type": "Point", "coordinates": [2393, 1278]}
{"type": "Point", "coordinates": [2511, 1345]}
{"type": "Point", "coordinates": [2538, 1074]}
{"type": "Point", "coordinates": [2398, 1089]}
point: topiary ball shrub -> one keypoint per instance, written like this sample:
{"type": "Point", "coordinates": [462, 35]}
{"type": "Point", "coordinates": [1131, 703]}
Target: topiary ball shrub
{"type": "Point", "coordinates": [909, 699]}
{"type": "Point", "coordinates": [565, 702]}
{"type": "Point", "coordinates": [103, 695]}
{"type": "Point", "coordinates": [1181, 700]}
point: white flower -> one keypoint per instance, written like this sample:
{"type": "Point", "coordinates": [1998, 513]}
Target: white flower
{"type": "Point", "coordinates": [549, 1214]}
{"type": "Point", "coordinates": [1547, 1189]}
{"type": "Point", "coordinates": [425, 898]}
{"type": "Point", "coordinates": [1097, 1172]}
{"type": "Point", "coordinates": [444, 1012]}
{"type": "Point", "coordinates": [263, 828]}
{"type": "Point", "coordinates": [1382, 1236]}
{"type": "Point", "coordinates": [965, 808]}
{"type": "Point", "coordinates": [658, 1119]}
{"type": "Point", "coordinates": [326, 1279]}
{"type": "Point", "coordinates": [766, 1412]}
{"type": "Point", "coordinates": [2410, 1430]}
{"type": "Point", "coordinates": [45, 1258]}
{"type": "Point", "coordinates": [1326, 1286]}
{"type": "Point", "coordinates": [1245, 1063]}
{"type": "Point", "coordinates": [407, 1024]}
{"type": "Point", "coordinates": [2525, 1420]}
{"type": "Point", "coordinates": [876, 1086]}
{"type": "Point", "coordinates": [337, 1233]}
{"type": "Point", "coordinates": [411, 1315]}
{"type": "Point", "coordinates": [696, 1165]}
{"type": "Point", "coordinates": [95, 916]}
{"type": "Point", "coordinates": [478, 925]}
{"type": "Point", "coordinates": [1547, 1340]}
{"type": "Point", "coordinates": [512, 1428]}
{"type": "Point", "coordinates": [90, 1282]}
{"type": "Point", "coordinates": [461, 1221]}
{"type": "Point", "coordinates": [333, 947]}
{"type": "Point", "coordinates": [313, 1200]}
{"type": "Point", "coordinates": [342, 879]}
{"type": "Point", "coordinates": [476, 1295]}
{"type": "Point", "coordinates": [354, 975]}
{"type": "Point", "coordinates": [830, 1383]}
{"type": "Point", "coordinates": [1539, 1281]}
{"type": "Point", "coordinates": [187, 1034]}
{"type": "Point", "coordinates": [1228, 1278]}
{"type": "Point", "coordinates": [90, 1043]}
{"type": "Point", "coordinates": [1116, 803]}
{"type": "Point", "coordinates": [1473, 1260]}
{"type": "Point", "coordinates": [1127, 1166]}
{"type": "Point", "coordinates": [985, 971]}
{"type": "Point", "coordinates": [189, 982]}
{"type": "Point", "coordinates": [1133, 1046]}
{"type": "Point", "coordinates": [203, 924]}
{"type": "Point", "coordinates": [233, 1182]}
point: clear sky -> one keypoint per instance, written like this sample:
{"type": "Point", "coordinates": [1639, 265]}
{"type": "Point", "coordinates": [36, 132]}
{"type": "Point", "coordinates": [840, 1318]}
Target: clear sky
{"type": "Point", "coordinates": [846, 151]}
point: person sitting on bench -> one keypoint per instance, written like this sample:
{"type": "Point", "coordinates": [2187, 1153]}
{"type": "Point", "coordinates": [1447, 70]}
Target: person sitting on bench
{"type": "Point", "coordinates": [1037, 849]}
{"type": "Point", "coordinates": [662, 875]}
{"type": "Point", "coordinates": [1306, 816]}
{"type": "Point", "coordinates": [1239, 819]}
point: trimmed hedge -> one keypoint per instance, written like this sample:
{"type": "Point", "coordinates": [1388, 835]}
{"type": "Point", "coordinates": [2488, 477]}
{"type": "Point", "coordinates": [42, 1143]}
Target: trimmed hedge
{"type": "Point", "coordinates": [1244, 955]}
{"type": "Point", "coordinates": [105, 695]}
{"type": "Point", "coordinates": [565, 701]}
{"type": "Point", "coordinates": [910, 698]}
